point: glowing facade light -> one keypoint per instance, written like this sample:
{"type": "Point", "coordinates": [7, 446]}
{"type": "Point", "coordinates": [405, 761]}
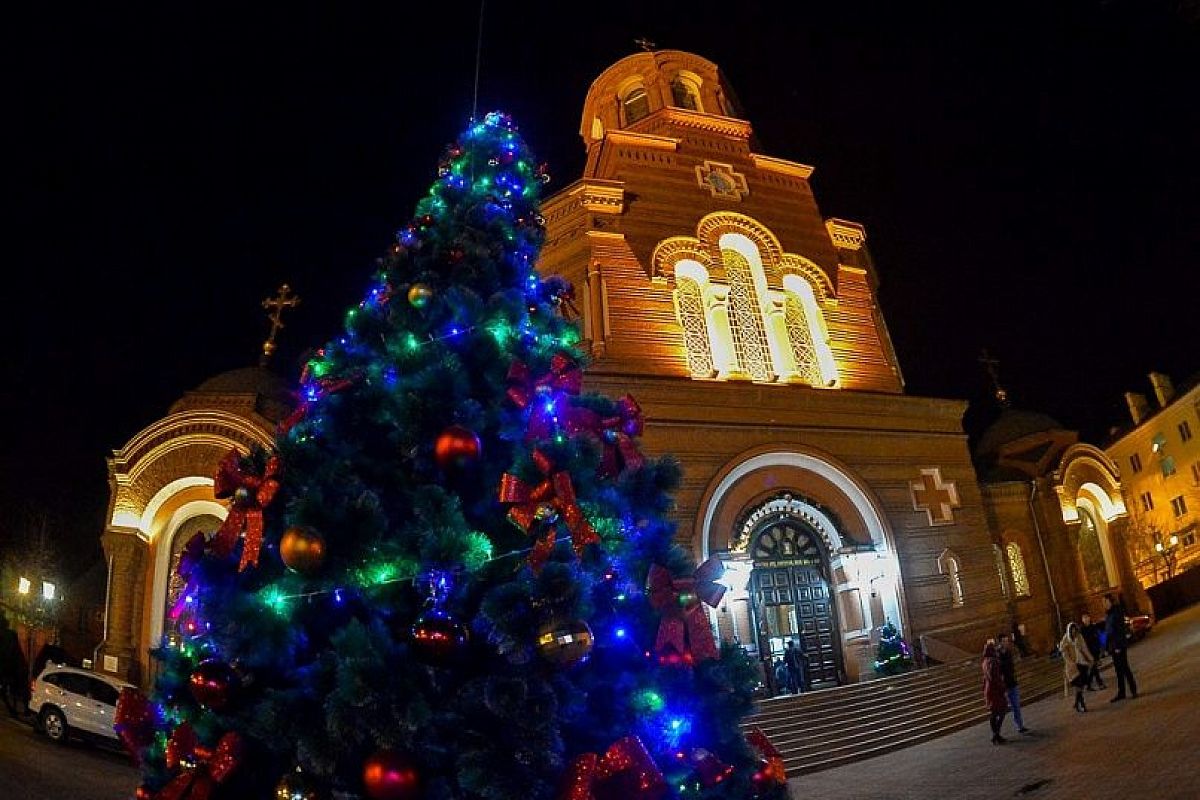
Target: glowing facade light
{"type": "Point", "coordinates": [23, 585]}
{"type": "Point", "coordinates": [48, 590]}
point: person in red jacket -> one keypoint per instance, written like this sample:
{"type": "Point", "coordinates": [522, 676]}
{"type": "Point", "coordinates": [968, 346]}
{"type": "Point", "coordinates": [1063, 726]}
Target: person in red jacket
{"type": "Point", "coordinates": [994, 691]}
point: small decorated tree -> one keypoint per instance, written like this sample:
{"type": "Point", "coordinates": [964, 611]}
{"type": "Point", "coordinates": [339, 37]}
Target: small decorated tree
{"type": "Point", "coordinates": [893, 655]}
{"type": "Point", "coordinates": [453, 576]}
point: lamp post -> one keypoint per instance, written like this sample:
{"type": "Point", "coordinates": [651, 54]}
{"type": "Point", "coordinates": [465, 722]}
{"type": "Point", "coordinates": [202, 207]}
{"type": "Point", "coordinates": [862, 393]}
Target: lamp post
{"type": "Point", "coordinates": [35, 609]}
{"type": "Point", "coordinates": [1168, 553]}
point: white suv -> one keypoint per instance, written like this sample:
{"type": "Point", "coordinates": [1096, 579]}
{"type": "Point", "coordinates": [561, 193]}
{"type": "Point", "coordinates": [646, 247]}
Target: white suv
{"type": "Point", "coordinates": [67, 700]}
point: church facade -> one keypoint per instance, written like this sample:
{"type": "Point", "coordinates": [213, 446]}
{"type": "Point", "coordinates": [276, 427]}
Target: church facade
{"type": "Point", "coordinates": [747, 326]}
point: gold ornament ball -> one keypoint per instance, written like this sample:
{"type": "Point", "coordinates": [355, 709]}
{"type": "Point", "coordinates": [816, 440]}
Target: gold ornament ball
{"type": "Point", "coordinates": [419, 295]}
{"type": "Point", "coordinates": [565, 643]}
{"type": "Point", "coordinates": [302, 550]}
{"type": "Point", "coordinates": [295, 786]}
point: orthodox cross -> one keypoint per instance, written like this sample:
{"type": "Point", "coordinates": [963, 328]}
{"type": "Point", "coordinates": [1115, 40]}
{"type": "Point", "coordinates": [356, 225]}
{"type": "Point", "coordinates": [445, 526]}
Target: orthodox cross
{"type": "Point", "coordinates": [645, 44]}
{"type": "Point", "coordinates": [937, 498]}
{"type": "Point", "coordinates": [992, 366]}
{"type": "Point", "coordinates": [275, 306]}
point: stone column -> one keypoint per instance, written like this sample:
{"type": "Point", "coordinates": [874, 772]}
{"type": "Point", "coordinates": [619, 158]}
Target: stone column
{"type": "Point", "coordinates": [779, 341]}
{"type": "Point", "coordinates": [720, 335]}
{"type": "Point", "coordinates": [125, 550]}
{"type": "Point", "coordinates": [1136, 599]}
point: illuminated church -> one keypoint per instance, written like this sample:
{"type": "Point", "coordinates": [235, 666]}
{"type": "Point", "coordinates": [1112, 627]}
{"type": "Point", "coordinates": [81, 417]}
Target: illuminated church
{"type": "Point", "coordinates": [746, 325]}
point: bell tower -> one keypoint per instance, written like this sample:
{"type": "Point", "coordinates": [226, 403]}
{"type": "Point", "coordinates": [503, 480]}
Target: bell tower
{"type": "Point", "coordinates": [697, 256]}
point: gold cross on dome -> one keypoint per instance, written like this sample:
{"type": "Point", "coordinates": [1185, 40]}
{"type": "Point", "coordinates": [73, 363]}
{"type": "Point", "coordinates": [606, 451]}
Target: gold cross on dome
{"type": "Point", "coordinates": [645, 44]}
{"type": "Point", "coordinates": [937, 498]}
{"type": "Point", "coordinates": [275, 306]}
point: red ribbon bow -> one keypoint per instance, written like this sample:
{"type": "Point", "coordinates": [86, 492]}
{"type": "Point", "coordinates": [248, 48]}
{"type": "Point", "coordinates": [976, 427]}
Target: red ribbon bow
{"type": "Point", "coordinates": [134, 721]}
{"type": "Point", "coordinates": [251, 494]}
{"type": "Point", "coordinates": [564, 376]}
{"type": "Point", "coordinates": [309, 395]}
{"type": "Point", "coordinates": [625, 772]}
{"type": "Point", "coordinates": [615, 433]}
{"type": "Point", "coordinates": [684, 635]}
{"type": "Point", "coordinates": [771, 771]}
{"type": "Point", "coordinates": [530, 503]}
{"type": "Point", "coordinates": [204, 768]}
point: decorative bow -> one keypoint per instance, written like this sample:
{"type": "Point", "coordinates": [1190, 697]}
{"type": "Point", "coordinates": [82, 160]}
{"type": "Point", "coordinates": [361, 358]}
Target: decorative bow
{"type": "Point", "coordinates": [311, 393]}
{"type": "Point", "coordinates": [683, 620]}
{"type": "Point", "coordinates": [524, 391]}
{"type": "Point", "coordinates": [552, 498]}
{"type": "Point", "coordinates": [134, 720]}
{"type": "Point", "coordinates": [771, 771]}
{"type": "Point", "coordinates": [615, 433]}
{"type": "Point", "coordinates": [251, 494]}
{"type": "Point", "coordinates": [204, 768]}
{"type": "Point", "coordinates": [625, 772]}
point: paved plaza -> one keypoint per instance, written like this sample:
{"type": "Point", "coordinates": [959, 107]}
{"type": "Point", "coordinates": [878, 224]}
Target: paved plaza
{"type": "Point", "coordinates": [1143, 748]}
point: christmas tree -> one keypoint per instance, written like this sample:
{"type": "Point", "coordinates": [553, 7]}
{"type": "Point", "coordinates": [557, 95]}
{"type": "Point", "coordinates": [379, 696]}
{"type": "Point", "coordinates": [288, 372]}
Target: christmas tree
{"type": "Point", "coordinates": [453, 576]}
{"type": "Point", "coordinates": [892, 656]}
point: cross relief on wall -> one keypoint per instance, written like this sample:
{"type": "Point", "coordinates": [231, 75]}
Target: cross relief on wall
{"type": "Point", "coordinates": [937, 498]}
{"type": "Point", "coordinates": [721, 180]}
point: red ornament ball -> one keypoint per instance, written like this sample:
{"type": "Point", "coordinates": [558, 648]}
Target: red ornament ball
{"type": "Point", "coordinates": [302, 550]}
{"type": "Point", "coordinates": [438, 639]}
{"type": "Point", "coordinates": [213, 684]}
{"type": "Point", "coordinates": [391, 775]}
{"type": "Point", "coordinates": [565, 643]}
{"type": "Point", "coordinates": [457, 447]}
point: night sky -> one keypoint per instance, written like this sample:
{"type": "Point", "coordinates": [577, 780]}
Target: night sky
{"type": "Point", "coordinates": [1029, 179]}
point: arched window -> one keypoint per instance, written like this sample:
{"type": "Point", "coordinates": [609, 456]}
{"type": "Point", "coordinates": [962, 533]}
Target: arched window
{"type": "Point", "coordinates": [1001, 572]}
{"type": "Point", "coordinates": [689, 305]}
{"type": "Point", "coordinates": [1016, 568]}
{"type": "Point", "coordinates": [800, 337]}
{"type": "Point", "coordinates": [948, 566]}
{"type": "Point", "coordinates": [685, 94]}
{"type": "Point", "coordinates": [636, 105]}
{"type": "Point", "coordinates": [750, 347]}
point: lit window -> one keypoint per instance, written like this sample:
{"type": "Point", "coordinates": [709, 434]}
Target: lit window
{"type": "Point", "coordinates": [750, 347]}
{"type": "Point", "coordinates": [1001, 573]}
{"type": "Point", "coordinates": [1135, 462]}
{"type": "Point", "coordinates": [1016, 567]}
{"type": "Point", "coordinates": [1185, 431]}
{"type": "Point", "coordinates": [1168, 466]}
{"type": "Point", "coordinates": [636, 104]}
{"type": "Point", "coordinates": [1179, 506]}
{"type": "Point", "coordinates": [689, 305]}
{"type": "Point", "coordinates": [948, 566]}
{"type": "Point", "coordinates": [800, 336]}
{"type": "Point", "coordinates": [684, 94]}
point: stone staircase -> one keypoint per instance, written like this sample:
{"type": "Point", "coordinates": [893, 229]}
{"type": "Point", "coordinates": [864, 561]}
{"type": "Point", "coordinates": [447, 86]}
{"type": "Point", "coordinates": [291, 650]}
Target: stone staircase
{"type": "Point", "coordinates": [832, 727]}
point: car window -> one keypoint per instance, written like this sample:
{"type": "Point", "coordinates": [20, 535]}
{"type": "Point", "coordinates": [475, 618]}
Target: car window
{"type": "Point", "coordinates": [103, 692]}
{"type": "Point", "coordinates": [54, 679]}
{"type": "Point", "coordinates": [77, 684]}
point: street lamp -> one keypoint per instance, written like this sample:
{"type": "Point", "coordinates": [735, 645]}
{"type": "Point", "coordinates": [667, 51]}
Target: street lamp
{"type": "Point", "coordinates": [34, 610]}
{"type": "Point", "coordinates": [1168, 553]}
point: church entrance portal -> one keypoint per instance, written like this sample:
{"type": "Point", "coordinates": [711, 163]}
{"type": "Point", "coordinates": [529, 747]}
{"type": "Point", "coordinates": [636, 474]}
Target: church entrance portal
{"type": "Point", "coordinates": [789, 591]}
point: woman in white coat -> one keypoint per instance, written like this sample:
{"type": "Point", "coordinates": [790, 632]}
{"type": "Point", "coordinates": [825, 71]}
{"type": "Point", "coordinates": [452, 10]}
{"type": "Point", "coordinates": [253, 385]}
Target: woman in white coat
{"type": "Point", "coordinates": [1077, 662]}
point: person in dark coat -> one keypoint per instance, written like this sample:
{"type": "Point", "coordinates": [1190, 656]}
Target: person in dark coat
{"type": "Point", "coordinates": [1004, 651]}
{"type": "Point", "coordinates": [1117, 644]}
{"type": "Point", "coordinates": [1091, 637]}
{"type": "Point", "coordinates": [993, 691]}
{"type": "Point", "coordinates": [12, 669]}
{"type": "Point", "coordinates": [791, 657]}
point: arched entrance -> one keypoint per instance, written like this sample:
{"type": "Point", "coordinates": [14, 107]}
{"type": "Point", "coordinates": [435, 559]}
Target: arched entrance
{"type": "Point", "coordinates": [854, 578]}
{"type": "Point", "coordinates": [790, 590]}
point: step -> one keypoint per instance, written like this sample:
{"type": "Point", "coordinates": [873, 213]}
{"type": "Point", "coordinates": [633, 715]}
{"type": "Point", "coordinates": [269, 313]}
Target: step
{"type": "Point", "coordinates": [836, 726]}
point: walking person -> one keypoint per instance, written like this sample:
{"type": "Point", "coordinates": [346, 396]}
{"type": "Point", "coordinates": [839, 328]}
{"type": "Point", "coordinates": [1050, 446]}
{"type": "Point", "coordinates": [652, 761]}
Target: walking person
{"type": "Point", "coordinates": [993, 691]}
{"type": "Point", "coordinates": [1117, 644]}
{"type": "Point", "coordinates": [1091, 636]}
{"type": "Point", "coordinates": [791, 657]}
{"type": "Point", "coordinates": [1005, 651]}
{"type": "Point", "coordinates": [1077, 662]}
{"type": "Point", "coordinates": [12, 669]}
